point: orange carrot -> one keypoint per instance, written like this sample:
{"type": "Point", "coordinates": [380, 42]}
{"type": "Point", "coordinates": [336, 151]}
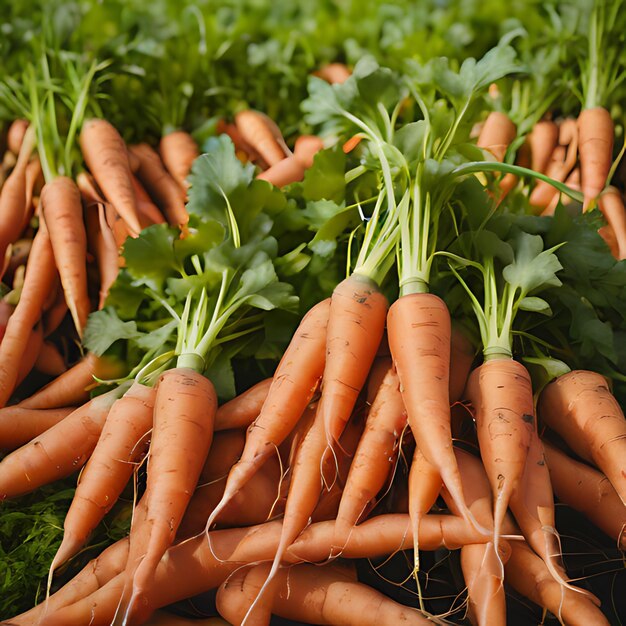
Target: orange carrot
{"type": "Point", "coordinates": [40, 274]}
{"type": "Point", "coordinates": [33, 180]}
{"type": "Point", "coordinates": [306, 147]}
{"type": "Point", "coordinates": [184, 414]}
{"type": "Point", "coordinates": [147, 209]}
{"type": "Point", "coordinates": [260, 132]}
{"type": "Point", "coordinates": [241, 411]}
{"type": "Point", "coordinates": [106, 157]}
{"type": "Point", "coordinates": [58, 452]}
{"type": "Point", "coordinates": [29, 356]}
{"type": "Point", "coordinates": [542, 139]}
{"type": "Point", "coordinates": [178, 151]}
{"type": "Point", "coordinates": [295, 380]}
{"type": "Point", "coordinates": [573, 182]}
{"type": "Point", "coordinates": [595, 129]}
{"type": "Point", "coordinates": [109, 468]}
{"type": "Point", "coordinates": [73, 386]}
{"type": "Point", "coordinates": [241, 146]}
{"type": "Point", "coordinates": [18, 426]}
{"type": "Point", "coordinates": [496, 134]}
{"type": "Point", "coordinates": [334, 73]}
{"type": "Point", "coordinates": [500, 391]}
{"type": "Point", "coordinates": [16, 134]}
{"type": "Point", "coordinates": [588, 491]}
{"type": "Point", "coordinates": [285, 172]}
{"type": "Point", "coordinates": [49, 360]}
{"type": "Point", "coordinates": [56, 312]}
{"type": "Point", "coordinates": [160, 185]}
{"type": "Point", "coordinates": [461, 358]}
{"type": "Point", "coordinates": [611, 204]}
{"type": "Point", "coordinates": [528, 575]}
{"type": "Point", "coordinates": [580, 408]}
{"type": "Point", "coordinates": [418, 329]}
{"type": "Point", "coordinates": [63, 212]}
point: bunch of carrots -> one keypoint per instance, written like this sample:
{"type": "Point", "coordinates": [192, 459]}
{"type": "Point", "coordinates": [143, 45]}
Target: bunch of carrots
{"type": "Point", "coordinates": [425, 357]}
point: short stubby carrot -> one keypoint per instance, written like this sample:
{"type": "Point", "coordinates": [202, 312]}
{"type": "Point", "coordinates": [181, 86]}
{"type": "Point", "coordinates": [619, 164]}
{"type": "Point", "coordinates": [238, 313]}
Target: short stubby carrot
{"type": "Point", "coordinates": [63, 212]}
{"type": "Point", "coordinates": [296, 378]}
{"type": "Point", "coordinates": [542, 139]}
{"type": "Point", "coordinates": [257, 130]}
{"type": "Point", "coordinates": [184, 414]}
{"type": "Point", "coordinates": [500, 391]}
{"type": "Point", "coordinates": [106, 157]}
{"type": "Point", "coordinates": [59, 451]}
{"type": "Point", "coordinates": [595, 148]}
{"type": "Point", "coordinates": [496, 134]}
{"type": "Point", "coordinates": [179, 150]}
{"type": "Point", "coordinates": [334, 73]}
{"type": "Point", "coordinates": [18, 426]}
{"type": "Point", "coordinates": [109, 468]}
{"type": "Point", "coordinates": [15, 135]}
{"type": "Point", "coordinates": [418, 329]}
{"type": "Point", "coordinates": [580, 407]}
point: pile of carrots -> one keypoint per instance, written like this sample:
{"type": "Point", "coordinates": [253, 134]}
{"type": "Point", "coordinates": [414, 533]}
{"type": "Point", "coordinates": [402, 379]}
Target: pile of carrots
{"type": "Point", "coordinates": [400, 417]}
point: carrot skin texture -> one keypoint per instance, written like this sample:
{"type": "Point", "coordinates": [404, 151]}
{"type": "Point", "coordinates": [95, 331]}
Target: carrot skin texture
{"type": "Point", "coordinates": [461, 359]}
{"type": "Point", "coordinates": [611, 204]}
{"type": "Point", "coordinates": [255, 131]}
{"type": "Point", "coordinates": [500, 391]}
{"type": "Point", "coordinates": [40, 275]}
{"type": "Point", "coordinates": [543, 139]}
{"type": "Point", "coordinates": [580, 408]}
{"type": "Point", "coordinates": [596, 132]}
{"type": "Point", "coordinates": [497, 133]}
{"type": "Point", "coordinates": [241, 411]}
{"type": "Point", "coordinates": [29, 356]}
{"type": "Point", "coordinates": [109, 468]}
{"type": "Point", "coordinates": [63, 211]}
{"type": "Point", "coordinates": [178, 151]}
{"type": "Point", "coordinates": [15, 135]}
{"type": "Point", "coordinates": [57, 452]}
{"type": "Point", "coordinates": [49, 360]}
{"type": "Point", "coordinates": [106, 157]}
{"type": "Point", "coordinates": [148, 211]}
{"type": "Point", "coordinates": [418, 329]}
{"type": "Point", "coordinates": [588, 491]}
{"type": "Point", "coordinates": [18, 426]}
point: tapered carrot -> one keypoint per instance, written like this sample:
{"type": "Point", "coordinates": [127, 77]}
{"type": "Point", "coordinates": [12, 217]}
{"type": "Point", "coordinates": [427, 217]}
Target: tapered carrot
{"type": "Point", "coordinates": [375, 457]}
{"type": "Point", "coordinates": [241, 411]}
{"type": "Point", "coordinates": [418, 329]}
{"type": "Point", "coordinates": [13, 197]}
{"type": "Point", "coordinates": [595, 129]}
{"type": "Point", "coordinates": [57, 452]}
{"type": "Point", "coordinates": [292, 168]}
{"type": "Point", "coordinates": [259, 131]}
{"type": "Point", "coordinates": [542, 139]}
{"type": "Point", "coordinates": [106, 250]}
{"type": "Point", "coordinates": [40, 274]}
{"type": "Point", "coordinates": [611, 204]}
{"type": "Point", "coordinates": [528, 575]}
{"type": "Point", "coordinates": [178, 151]}
{"type": "Point", "coordinates": [580, 407]}
{"type": "Point", "coordinates": [573, 182]}
{"type": "Point", "coordinates": [105, 155]}
{"type": "Point", "coordinates": [29, 356]}
{"type": "Point", "coordinates": [500, 391]}
{"type": "Point", "coordinates": [109, 468]}
{"type": "Point", "coordinates": [586, 490]}
{"type": "Point", "coordinates": [184, 414]}
{"type": "Point", "coordinates": [306, 147]}
{"type": "Point", "coordinates": [33, 181]}
{"type": "Point", "coordinates": [63, 212]}
{"type": "Point", "coordinates": [147, 209]}
{"type": "Point", "coordinates": [242, 148]}
{"type": "Point", "coordinates": [462, 354]}
{"type": "Point", "coordinates": [496, 134]}
{"type": "Point", "coordinates": [18, 426]}
{"type": "Point", "coordinates": [295, 380]}
{"type": "Point", "coordinates": [334, 73]}
{"type": "Point", "coordinates": [160, 185]}
{"type": "Point", "coordinates": [16, 134]}
{"type": "Point", "coordinates": [73, 386]}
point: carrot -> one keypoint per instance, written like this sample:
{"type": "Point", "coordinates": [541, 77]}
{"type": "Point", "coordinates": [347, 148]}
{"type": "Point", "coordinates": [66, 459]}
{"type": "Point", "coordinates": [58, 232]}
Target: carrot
{"type": "Point", "coordinates": [108, 470]}
{"type": "Point", "coordinates": [500, 391]}
{"type": "Point", "coordinates": [542, 139]}
{"type": "Point", "coordinates": [63, 212]}
{"type": "Point", "coordinates": [73, 386]}
{"type": "Point", "coordinates": [178, 151]}
{"type": "Point", "coordinates": [106, 157]}
{"type": "Point", "coordinates": [573, 182]}
{"type": "Point", "coordinates": [147, 209]}
{"type": "Point", "coordinates": [285, 172]}
{"type": "Point", "coordinates": [580, 408]}
{"type": "Point", "coordinates": [56, 312]}
{"type": "Point", "coordinates": [33, 180]}
{"type": "Point", "coordinates": [29, 356]}
{"type": "Point", "coordinates": [588, 491]}
{"type": "Point", "coordinates": [496, 134]}
{"type": "Point", "coordinates": [160, 185]}
{"type": "Point", "coordinates": [13, 197]}
{"type": "Point", "coordinates": [241, 146]}
{"type": "Point", "coordinates": [606, 232]}
{"type": "Point", "coordinates": [260, 132]}
{"type": "Point", "coordinates": [418, 329]}
{"type": "Point", "coordinates": [59, 451]}
{"type": "Point", "coordinates": [241, 411]}
{"type": "Point", "coordinates": [40, 274]}
{"type": "Point", "coordinates": [184, 414]}
{"type": "Point", "coordinates": [295, 380]}
{"type": "Point", "coordinates": [306, 147]}
{"type": "Point", "coordinates": [16, 134]}
{"type": "Point", "coordinates": [334, 73]}
{"type": "Point", "coordinates": [461, 358]}
{"type": "Point", "coordinates": [611, 204]}
{"type": "Point", "coordinates": [595, 129]}
{"type": "Point", "coordinates": [18, 426]}
{"type": "Point", "coordinates": [528, 575]}
{"type": "Point", "coordinates": [375, 457]}
{"type": "Point", "coordinates": [19, 256]}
